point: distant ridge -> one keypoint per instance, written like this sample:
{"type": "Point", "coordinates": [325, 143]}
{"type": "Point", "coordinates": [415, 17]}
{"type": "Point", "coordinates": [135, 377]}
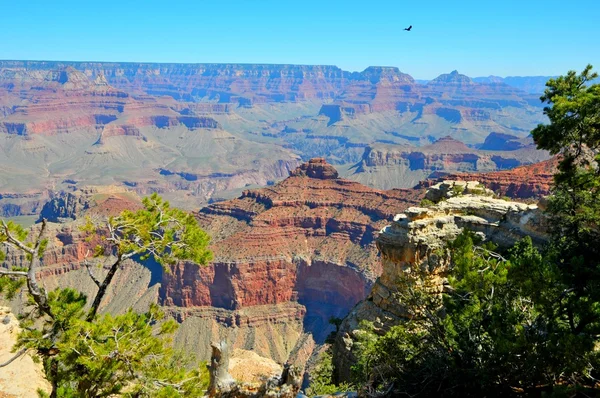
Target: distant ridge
{"type": "Point", "coordinates": [528, 84]}
{"type": "Point", "coordinates": [204, 132]}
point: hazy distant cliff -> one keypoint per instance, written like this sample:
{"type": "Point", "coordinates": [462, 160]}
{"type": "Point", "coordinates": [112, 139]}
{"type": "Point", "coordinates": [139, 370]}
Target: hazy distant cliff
{"type": "Point", "coordinates": [256, 83]}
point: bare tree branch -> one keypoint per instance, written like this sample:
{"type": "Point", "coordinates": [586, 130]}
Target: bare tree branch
{"type": "Point", "coordinates": [12, 273]}
{"type": "Point", "coordinates": [39, 295]}
{"type": "Point", "coordinates": [91, 273]}
{"type": "Point", "coordinates": [89, 269]}
{"type": "Point", "coordinates": [14, 357]}
{"type": "Point", "coordinates": [102, 288]}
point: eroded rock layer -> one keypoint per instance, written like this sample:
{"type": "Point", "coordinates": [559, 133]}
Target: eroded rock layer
{"type": "Point", "coordinates": [60, 127]}
{"type": "Point", "coordinates": [308, 240]}
{"type": "Point", "coordinates": [411, 250]}
{"type": "Point", "coordinates": [524, 182]}
{"type": "Point", "coordinates": [287, 258]}
{"type": "Point", "coordinates": [386, 165]}
{"type": "Point", "coordinates": [203, 132]}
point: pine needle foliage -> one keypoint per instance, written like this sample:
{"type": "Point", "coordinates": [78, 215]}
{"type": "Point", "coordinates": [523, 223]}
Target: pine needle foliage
{"type": "Point", "coordinates": [89, 355]}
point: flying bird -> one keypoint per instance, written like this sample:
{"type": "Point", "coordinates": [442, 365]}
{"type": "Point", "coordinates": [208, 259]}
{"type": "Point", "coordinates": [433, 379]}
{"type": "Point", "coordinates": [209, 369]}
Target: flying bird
{"type": "Point", "coordinates": [408, 29]}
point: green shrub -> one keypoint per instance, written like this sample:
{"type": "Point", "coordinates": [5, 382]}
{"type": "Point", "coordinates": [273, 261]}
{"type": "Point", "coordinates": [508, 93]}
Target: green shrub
{"type": "Point", "coordinates": [426, 203]}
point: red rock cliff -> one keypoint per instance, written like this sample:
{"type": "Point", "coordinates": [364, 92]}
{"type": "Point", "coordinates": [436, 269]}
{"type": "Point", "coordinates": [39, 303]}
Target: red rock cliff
{"type": "Point", "coordinates": [525, 182]}
{"type": "Point", "coordinates": [307, 239]}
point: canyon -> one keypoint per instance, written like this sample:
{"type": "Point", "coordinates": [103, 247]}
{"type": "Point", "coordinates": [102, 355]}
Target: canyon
{"type": "Point", "coordinates": [63, 129]}
{"type": "Point", "coordinates": [297, 173]}
{"type": "Point", "coordinates": [199, 133]}
{"type": "Point", "coordinates": [287, 258]}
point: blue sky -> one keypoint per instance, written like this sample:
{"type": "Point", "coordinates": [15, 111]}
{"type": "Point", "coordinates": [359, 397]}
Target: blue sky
{"type": "Point", "coordinates": [479, 38]}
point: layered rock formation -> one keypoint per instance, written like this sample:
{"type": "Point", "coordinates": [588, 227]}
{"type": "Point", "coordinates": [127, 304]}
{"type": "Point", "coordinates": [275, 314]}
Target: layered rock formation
{"type": "Point", "coordinates": [316, 168]}
{"type": "Point", "coordinates": [412, 250]}
{"type": "Point", "coordinates": [136, 124]}
{"type": "Point", "coordinates": [466, 108]}
{"type": "Point", "coordinates": [524, 182]}
{"type": "Point", "coordinates": [384, 166]}
{"type": "Point", "coordinates": [245, 84]}
{"type": "Point", "coordinates": [24, 203]}
{"type": "Point", "coordinates": [287, 258]}
{"type": "Point", "coordinates": [103, 200]}
{"type": "Point", "coordinates": [504, 142]}
{"type": "Point", "coordinates": [308, 239]}
{"type": "Point", "coordinates": [63, 128]}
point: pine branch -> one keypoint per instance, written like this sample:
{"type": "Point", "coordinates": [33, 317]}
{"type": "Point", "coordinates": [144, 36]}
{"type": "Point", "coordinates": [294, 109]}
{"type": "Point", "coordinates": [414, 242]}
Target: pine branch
{"type": "Point", "coordinates": [20, 245]}
{"type": "Point", "coordinates": [103, 287]}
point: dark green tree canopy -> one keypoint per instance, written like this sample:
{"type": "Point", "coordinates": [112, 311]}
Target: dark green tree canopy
{"type": "Point", "coordinates": [574, 112]}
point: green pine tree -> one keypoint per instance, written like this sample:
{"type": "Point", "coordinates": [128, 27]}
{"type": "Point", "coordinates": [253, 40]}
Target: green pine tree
{"type": "Point", "coordinates": [90, 355]}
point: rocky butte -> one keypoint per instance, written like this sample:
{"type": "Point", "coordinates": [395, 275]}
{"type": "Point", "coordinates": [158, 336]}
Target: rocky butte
{"type": "Point", "coordinates": [524, 182]}
{"type": "Point", "coordinates": [385, 165]}
{"type": "Point", "coordinates": [306, 243]}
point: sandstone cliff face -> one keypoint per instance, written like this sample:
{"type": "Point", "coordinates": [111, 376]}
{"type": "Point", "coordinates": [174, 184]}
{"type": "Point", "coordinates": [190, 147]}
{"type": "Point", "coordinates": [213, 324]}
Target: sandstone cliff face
{"type": "Point", "coordinates": [271, 331]}
{"type": "Point", "coordinates": [64, 206]}
{"type": "Point", "coordinates": [453, 97]}
{"type": "Point", "coordinates": [22, 203]}
{"type": "Point", "coordinates": [50, 102]}
{"type": "Point", "coordinates": [504, 142]}
{"type": "Point", "coordinates": [411, 247]}
{"type": "Point", "coordinates": [243, 84]}
{"type": "Point", "coordinates": [104, 200]}
{"type": "Point", "coordinates": [376, 89]}
{"type": "Point", "coordinates": [23, 377]}
{"type": "Point", "coordinates": [307, 240]}
{"type": "Point", "coordinates": [64, 128]}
